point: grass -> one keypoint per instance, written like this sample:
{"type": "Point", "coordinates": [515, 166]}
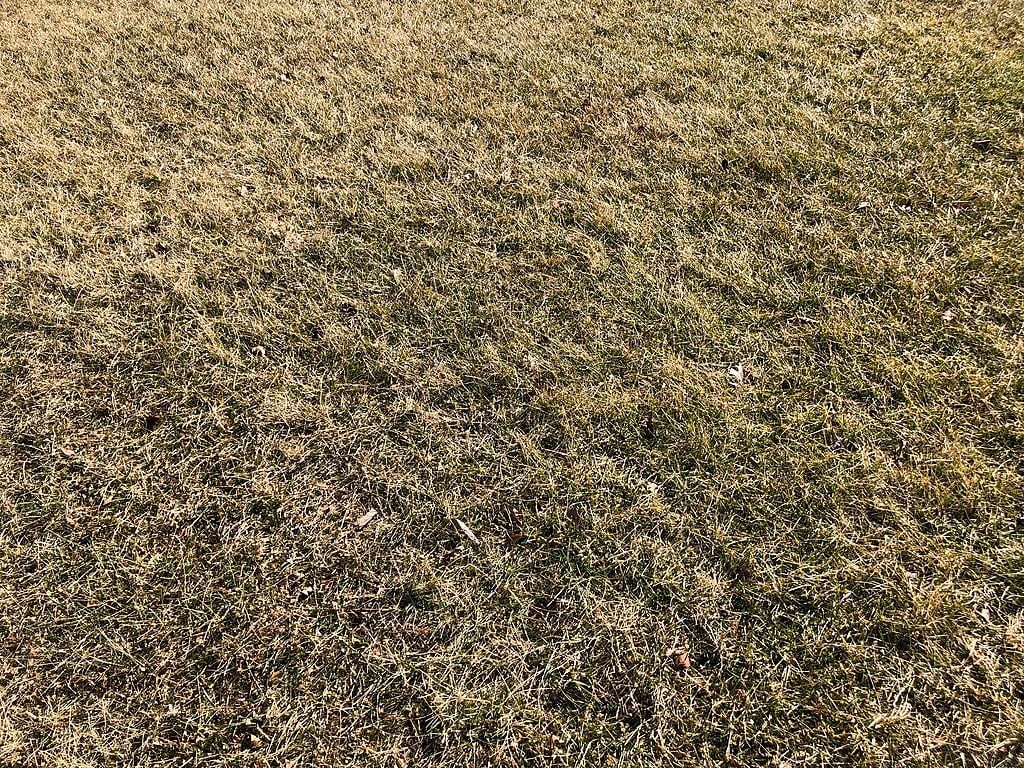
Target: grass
{"type": "Point", "coordinates": [504, 384]}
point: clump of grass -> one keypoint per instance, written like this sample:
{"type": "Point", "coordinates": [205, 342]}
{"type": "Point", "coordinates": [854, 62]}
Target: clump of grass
{"type": "Point", "coordinates": [511, 384]}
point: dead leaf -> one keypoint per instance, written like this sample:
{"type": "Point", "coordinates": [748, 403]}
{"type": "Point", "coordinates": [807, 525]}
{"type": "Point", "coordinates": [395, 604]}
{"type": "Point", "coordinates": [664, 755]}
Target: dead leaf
{"type": "Point", "coordinates": [948, 315]}
{"type": "Point", "coordinates": [736, 374]}
{"type": "Point", "coordinates": [364, 520]}
{"type": "Point", "coordinates": [679, 658]}
{"type": "Point", "coordinates": [467, 531]}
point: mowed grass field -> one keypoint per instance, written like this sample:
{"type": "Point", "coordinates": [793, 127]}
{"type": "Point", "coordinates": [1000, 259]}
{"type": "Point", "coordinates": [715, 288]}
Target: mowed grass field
{"type": "Point", "coordinates": [504, 383]}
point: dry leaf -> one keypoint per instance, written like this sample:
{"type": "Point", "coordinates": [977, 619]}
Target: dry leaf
{"type": "Point", "coordinates": [736, 374]}
{"type": "Point", "coordinates": [363, 521]}
{"type": "Point", "coordinates": [679, 658]}
{"type": "Point", "coordinates": [948, 315]}
{"type": "Point", "coordinates": [467, 531]}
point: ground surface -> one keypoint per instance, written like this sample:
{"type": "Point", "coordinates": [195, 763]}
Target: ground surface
{"type": "Point", "coordinates": [677, 348]}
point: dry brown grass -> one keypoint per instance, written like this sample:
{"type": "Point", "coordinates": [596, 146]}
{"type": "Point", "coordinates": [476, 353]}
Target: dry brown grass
{"type": "Point", "coordinates": [267, 267]}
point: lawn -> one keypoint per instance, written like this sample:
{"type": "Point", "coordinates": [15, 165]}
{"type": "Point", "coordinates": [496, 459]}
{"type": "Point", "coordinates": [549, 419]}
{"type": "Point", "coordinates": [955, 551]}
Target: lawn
{"type": "Point", "coordinates": [503, 383]}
